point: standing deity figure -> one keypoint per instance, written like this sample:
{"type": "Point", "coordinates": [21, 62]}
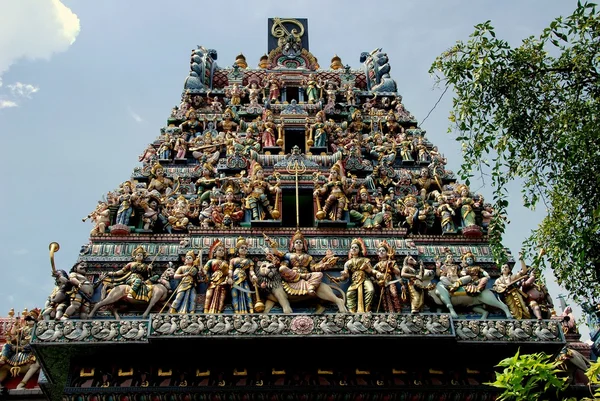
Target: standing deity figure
{"type": "Point", "coordinates": [240, 267]}
{"type": "Point", "coordinates": [479, 277]}
{"type": "Point", "coordinates": [230, 212]}
{"type": "Point", "coordinates": [257, 191]}
{"type": "Point", "coordinates": [507, 286]}
{"type": "Point", "coordinates": [449, 273]}
{"type": "Point", "coordinates": [299, 273]}
{"type": "Point", "coordinates": [81, 292]}
{"type": "Point", "coordinates": [134, 274]}
{"type": "Point", "coordinates": [126, 198]}
{"type": "Point", "coordinates": [334, 192]}
{"type": "Point", "coordinates": [536, 293]}
{"type": "Point", "coordinates": [185, 293]}
{"type": "Point", "coordinates": [216, 270]}
{"type": "Point", "coordinates": [416, 291]}
{"type": "Point", "coordinates": [350, 95]}
{"type": "Point", "coordinates": [318, 131]}
{"type": "Point", "coordinates": [446, 213]}
{"type": "Point", "coordinates": [58, 300]}
{"type": "Point", "coordinates": [101, 218]}
{"type": "Point", "coordinates": [274, 84]}
{"type": "Point", "coordinates": [388, 267]}
{"type": "Point", "coordinates": [311, 88]}
{"type": "Point", "coordinates": [235, 94]}
{"type": "Point", "coordinates": [253, 93]}
{"type": "Point", "coordinates": [331, 91]}
{"type": "Point", "coordinates": [17, 352]}
{"type": "Point", "coordinates": [466, 202]}
{"type": "Point", "coordinates": [359, 296]}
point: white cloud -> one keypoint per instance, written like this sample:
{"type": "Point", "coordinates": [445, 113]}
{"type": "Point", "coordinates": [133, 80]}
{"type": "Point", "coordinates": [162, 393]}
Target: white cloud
{"type": "Point", "coordinates": [4, 104]}
{"type": "Point", "coordinates": [22, 90]}
{"type": "Point", "coordinates": [135, 116]}
{"type": "Point", "coordinates": [32, 30]}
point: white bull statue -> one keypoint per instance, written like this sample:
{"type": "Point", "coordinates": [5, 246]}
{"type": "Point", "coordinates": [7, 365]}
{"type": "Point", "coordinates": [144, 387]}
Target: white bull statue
{"type": "Point", "coordinates": [441, 296]}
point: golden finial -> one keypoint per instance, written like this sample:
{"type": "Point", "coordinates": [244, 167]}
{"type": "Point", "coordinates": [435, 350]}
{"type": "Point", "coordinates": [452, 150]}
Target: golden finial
{"type": "Point", "coordinates": [240, 60]}
{"type": "Point", "coordinates": [336, 63]}
{"type": "Point", "coordinates": [264, 62]}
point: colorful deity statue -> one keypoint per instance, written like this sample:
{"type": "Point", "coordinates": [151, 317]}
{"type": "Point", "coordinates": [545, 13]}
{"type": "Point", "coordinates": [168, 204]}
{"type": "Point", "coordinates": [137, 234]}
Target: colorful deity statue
{"type": "Point", "coordinates": [416, 290]}
{"type": "Point", "coordinates": [360, 293]}
{"type": "Point", "coordinates": [240, 269]}
{"type": "Point", "coordinates": [227, 124]}
{"type": "Point", "coordinates": [388, 295]}
{"type": "Point", "coordinates": [235, 94]}
{"type": "Point", "coordinates": [81, 292]}
{"type": "Point", "coordinates": [449, 273]}
{"type": "Point", "coordinates": [317, 130]}
{"type": "Point", "coordinates": [479, 277]}
{"type": "Point", "coordinates": [364, 211]}
{"type": "Point", "coordinates": [101, 218]}
{"type": "Point", "coordinates": [311, 88]}
{"type": "Point", "coordinates": [274, 84]}
{"type": "Point", "coordinates": [257, 191]}
{"type": "Point", "coordinates": [16, 354]}
{"type": "Point", "coordinates": [216, 270]}
{"type": "Point", "coordinates": [180, 213]}
{"type": "Point", "coordinates": [185, 293]}
{"type": "Point", "coordinates": [253, 92]}
{"type": "Point", "coordinates": [230, 212]}
{"type": "Point", "coordinates": [465, 202]}
{"type": "Point", "coordinates": [126, 199]}
{"type": "Point", "coordinates": [301, 275]}
{"type": "Point", "coordinates": [159, 181]}
{"type": "Point", "coordinates": [507, 286]}
{"type": "Point", "coordinates": [134, 274]}
{"type": "Point", "coordinates": [335, 194]}
{"type": "Point", "coordinates": [446, 213]}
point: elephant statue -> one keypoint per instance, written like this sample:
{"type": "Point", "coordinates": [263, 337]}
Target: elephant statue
{"type": "Point", "coordinates": [270, 280]}
{"type": "Point", "coordinates": [441, 296]}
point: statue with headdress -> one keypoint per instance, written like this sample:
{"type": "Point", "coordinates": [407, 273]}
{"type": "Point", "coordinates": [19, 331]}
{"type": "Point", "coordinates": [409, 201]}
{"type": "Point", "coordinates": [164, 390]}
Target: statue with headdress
{"type": "Point", "coordinates": [387, 265]}
{"type": "Point", "coordinates": [216, 271]}
{"type": "Point", "coordinates": [159, 181]}
{"type": "Point", "coordinates": [240, 269]}
{"type": "Point", "coordinates": [479, 277]}
{"type": "Point", "coordinates": [126, 199]}
{"type": "Point", "coordinates": [230, 212]}
{"type": "Point", "coordinates": [301, 275]}
{"type": "Point", "coordinates": [16, 355]}
{"type": "Point", "coordinates": [180, 213]}
{"type": "Point", "coordinates": [134, 274]}
{"type": "Point", "coordinates": [185, 298]}
{"type": "Point", "coordinates": [360, 293]}
{"type": "Point", "coordinates": [365, 212]}
{"type": "Point", "coordinates": [334, 192]}
{"type": "Point", "coordinates": [257, 191]}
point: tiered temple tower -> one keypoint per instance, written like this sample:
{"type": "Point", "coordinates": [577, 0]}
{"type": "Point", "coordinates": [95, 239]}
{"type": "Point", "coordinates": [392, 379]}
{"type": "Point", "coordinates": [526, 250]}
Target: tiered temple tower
{"type": "Point", "coordinates": [291, 234]}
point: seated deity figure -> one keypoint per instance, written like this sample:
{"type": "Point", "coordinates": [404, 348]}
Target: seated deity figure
{"type": "Point", "coordinates": [159, 182]}
{"type": "Point", "coordinates": [479, 277]}
{"type": "Point", "coordinates": [449, 274]}
{"type": "Point", "coordinates": [364, 211]}
{"type": "Point", "coordinates": [301, 275]}
{"type": "Point", "coordinates": [257, 195]}
{"type": "Point", "coordinates": [134, 274]}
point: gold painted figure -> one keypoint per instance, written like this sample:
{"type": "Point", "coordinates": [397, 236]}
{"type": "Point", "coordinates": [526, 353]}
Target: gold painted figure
{"type": "Point", "coordinates": [216, 270]}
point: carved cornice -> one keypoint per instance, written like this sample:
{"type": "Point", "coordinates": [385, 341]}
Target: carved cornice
{"type": "Point", "coordinates": [297, 325]}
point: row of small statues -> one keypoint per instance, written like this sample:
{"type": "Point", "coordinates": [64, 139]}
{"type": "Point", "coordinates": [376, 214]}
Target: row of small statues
{"type": "Point", "coordinates": [259, 92]}
{"type": "Point", "coordinates": [292, 275]}
{"type": "Point", "coordinates": [382, 138]}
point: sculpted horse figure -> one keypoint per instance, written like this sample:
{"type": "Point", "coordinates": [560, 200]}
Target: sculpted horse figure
{"type": "Point", "coordinates": [441, 296]}
{"type": "Point", "coordinates": [269, 279]}
{"type": "Point", "coordinates": [160, 291]}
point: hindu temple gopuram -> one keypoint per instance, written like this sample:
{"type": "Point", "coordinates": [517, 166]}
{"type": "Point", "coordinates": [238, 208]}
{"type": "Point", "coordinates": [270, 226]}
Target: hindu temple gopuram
{"type": "Point", "coordinates": [291, 234]}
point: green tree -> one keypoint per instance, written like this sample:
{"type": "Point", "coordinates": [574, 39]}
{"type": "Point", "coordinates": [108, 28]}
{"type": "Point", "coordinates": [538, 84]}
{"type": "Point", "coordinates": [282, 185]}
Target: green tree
{"type": "Point", "coordinates": [529, 377]}
{"type": "Point", "coordinates": [531, 112]}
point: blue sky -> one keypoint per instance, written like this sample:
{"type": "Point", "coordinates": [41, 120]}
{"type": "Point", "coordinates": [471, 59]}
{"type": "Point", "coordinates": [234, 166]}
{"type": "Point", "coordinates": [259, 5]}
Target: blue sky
{"type": "Point", "coordinates": [85, 86]}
